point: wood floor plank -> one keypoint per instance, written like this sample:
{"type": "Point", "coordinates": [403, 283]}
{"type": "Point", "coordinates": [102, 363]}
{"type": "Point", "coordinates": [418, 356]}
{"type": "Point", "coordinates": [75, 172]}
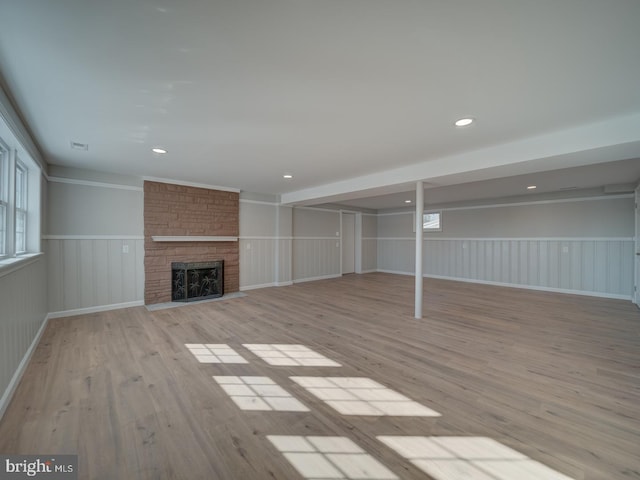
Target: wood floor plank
{"type": "Point", "coordinates": [556, 377]}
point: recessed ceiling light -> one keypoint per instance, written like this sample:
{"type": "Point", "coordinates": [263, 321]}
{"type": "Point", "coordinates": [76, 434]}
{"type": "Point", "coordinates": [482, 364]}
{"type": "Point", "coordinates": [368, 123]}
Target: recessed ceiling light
{"type": "Point", "coordinates": [287, 175]}
{"type": "Point", "coordinates": [463, 122]}
{"type": "Point", "coordinates": [407, 201]}
{"type": "Point", "coordinates": [531, 187]}
{"type": "Point", "coordinates": [158, 150]}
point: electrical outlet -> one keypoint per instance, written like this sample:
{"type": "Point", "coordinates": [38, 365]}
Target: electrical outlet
{"type": "Point", "coordinates": [248, 246]}
{"type": "Point", "coordinates": [125, 248]}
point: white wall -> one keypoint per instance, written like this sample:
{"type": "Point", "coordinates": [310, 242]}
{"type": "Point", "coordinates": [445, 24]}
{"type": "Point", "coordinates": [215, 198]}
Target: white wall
{"type": "Point", "coordinates": [265, 243]}
{"type": "Point", "coordinates": [591, 217]}
{"type": "Point", "coordinates": [369, 243]}
{"type": "Point", "coordinates": [316, 244]}
{"type": "Point", "coordinates": [581, 246]}
{"type": "Point", "coordinates": [280, 245]}
{"type": "Point", "coordinates": [573, 245]}
{"type": "Point", "coordinates": [94, 215]}
{"type": "Point", "coordinates": [23, 289]}
{"type": "Point", "coordinates": [285, 250]}
{"type": "Point", "coordinates": [95, 243]}
{"type": "Point", "coordinates": [23, 302]}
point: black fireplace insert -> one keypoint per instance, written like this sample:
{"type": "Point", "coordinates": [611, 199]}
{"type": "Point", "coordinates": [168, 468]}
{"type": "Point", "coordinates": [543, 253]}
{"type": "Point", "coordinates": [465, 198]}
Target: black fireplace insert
{"type": "Point", "coordinates": [196, 280]}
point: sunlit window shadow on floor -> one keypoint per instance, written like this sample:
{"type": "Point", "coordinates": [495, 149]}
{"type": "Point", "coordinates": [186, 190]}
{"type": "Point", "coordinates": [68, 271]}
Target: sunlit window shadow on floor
{"type": "Point", "coordinates": [259, 393]}
{"type": "Point", "coordinates": [469, 458]}
{"type": "Point", "coordinates": [289, 355]}
{"type": "Point", "coordinates": [214, 353]}
{"type": "Point", "coordinates": [329, 458]}
{"type": "Point", "coordinates": [362, 396]}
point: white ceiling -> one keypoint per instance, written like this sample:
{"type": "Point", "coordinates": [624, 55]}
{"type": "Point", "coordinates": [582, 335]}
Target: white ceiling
{"type": "Point", "coordinates": [355, 98]}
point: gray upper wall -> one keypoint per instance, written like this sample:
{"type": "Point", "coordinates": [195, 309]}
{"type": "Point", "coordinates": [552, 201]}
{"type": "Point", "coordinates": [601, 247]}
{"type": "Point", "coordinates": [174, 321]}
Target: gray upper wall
{"type": "Point", "coordinates": [94, 203]}
{"type": "Point", "coordinates": [595, 217]}
{"type": "Point", "coordinates": [285, 221]}
{"type": "Point", "coordinates": [257, 219]}
{"type": "Point", "coordinates": [369, 226]}
{"type": "Point", "coordinates": [90, 210]}
{"type": "Point", "coordinates": [309, 222]}
{"type": "Point", "coordinates": [76, 209]}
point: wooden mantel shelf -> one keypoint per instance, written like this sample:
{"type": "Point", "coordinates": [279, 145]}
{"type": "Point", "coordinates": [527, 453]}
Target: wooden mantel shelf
{"type": "Point", "coordinates": [190, 238]}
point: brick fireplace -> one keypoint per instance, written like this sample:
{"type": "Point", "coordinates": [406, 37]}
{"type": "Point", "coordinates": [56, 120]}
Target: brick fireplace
{"type": "Point", "coordinates": [189, 225]}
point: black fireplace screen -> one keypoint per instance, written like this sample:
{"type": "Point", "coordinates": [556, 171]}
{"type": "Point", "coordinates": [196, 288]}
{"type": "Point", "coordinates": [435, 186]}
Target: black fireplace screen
{"type": "Point", "coordinates": [196, 280]}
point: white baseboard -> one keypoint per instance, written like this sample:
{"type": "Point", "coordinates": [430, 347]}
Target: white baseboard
{"type": "Point", "coordinates": [369, 271]}
{"type": "Point", "coordinates": [17, 376]}
{"type": "Point", "coordinates": [265, 285]}
{"type": "Point", "coordinates": [395, 272]}
{"type": "Point", "coordinates": [100, 308]}
{"type": "Point", "coordinates": [586, 293]}
{"type": "Point", "coordinates": [257, 286]}
{"type": "Point", "coordinates": [313, 279]}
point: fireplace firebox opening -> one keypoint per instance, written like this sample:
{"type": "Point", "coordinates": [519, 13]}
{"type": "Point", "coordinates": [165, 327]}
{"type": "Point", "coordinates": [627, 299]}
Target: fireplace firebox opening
{"type": "Point", "coordinates": [197, 280]}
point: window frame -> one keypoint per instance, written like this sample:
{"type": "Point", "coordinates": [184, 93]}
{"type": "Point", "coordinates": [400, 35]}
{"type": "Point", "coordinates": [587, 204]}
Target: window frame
{"type": "Point", "coordinates": [4, 199]}
{"type": "Point", "coordinates": [424, 214]}
{"type": "Point", "coordinates": [20, 204]}
{"type": "Point", "coordinates": [21, 207]}
{"type": "Point", "coordinates": [432, 229]}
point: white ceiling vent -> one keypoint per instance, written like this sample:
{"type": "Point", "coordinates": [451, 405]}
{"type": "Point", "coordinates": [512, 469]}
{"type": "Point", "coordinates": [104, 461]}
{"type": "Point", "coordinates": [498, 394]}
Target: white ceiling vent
{"type": "Point", "coordinates": [79, 146]}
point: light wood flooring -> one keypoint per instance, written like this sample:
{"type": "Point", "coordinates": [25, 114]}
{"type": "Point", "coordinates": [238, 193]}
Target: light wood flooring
{"type": "Point", "coordinates": [555, 377]}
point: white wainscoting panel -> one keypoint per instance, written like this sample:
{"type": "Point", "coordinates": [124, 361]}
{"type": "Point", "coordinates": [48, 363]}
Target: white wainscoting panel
{"type": "Point", "coordinates": [264, 262]}
{"type": "Point", "coordinates": [285, 274]}
{"type": "Point", "coordinates": [369, 254]}
{"type": "Point", "coordinates": [315, 258]}
{"type": "Point", "coordinates": [590, 265]}
{"type": "Point", "coordinates": [93, 272]}
{"type": "Point", "coordinates": [396, 254]}
{"type": "Point", "coordinates": [23, 307]}
{"type": "Point", "coordinates": [257, 262]}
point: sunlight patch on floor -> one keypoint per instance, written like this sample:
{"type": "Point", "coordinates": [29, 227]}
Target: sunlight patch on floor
{"type": "Point", "coordinates": [214, 353]}
{"type": "Point", "coordinates": [462, 458]}
{"type": "Point", "coordinates": [362, 396]}
{"type": "Point", "coordinates": [259, 393]}
{"type": "Point", "coordinates": [289, 355]}
{"type": "Point", "coordinates": [316, 457]}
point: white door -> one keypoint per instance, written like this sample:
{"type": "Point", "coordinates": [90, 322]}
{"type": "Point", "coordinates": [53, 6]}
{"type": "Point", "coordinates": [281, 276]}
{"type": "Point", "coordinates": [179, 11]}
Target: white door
{"type": "Point", "coordinates": [636, 293]}
{"type": "Point", "coordinates": [348, 243]}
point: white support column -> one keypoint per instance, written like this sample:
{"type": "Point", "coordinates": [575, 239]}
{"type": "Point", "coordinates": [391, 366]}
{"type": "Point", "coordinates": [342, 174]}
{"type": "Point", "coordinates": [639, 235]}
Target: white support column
{"type": "Point", "coordinates": [276, 252]}
{"type": "Point", "coordinates": [419, 215]}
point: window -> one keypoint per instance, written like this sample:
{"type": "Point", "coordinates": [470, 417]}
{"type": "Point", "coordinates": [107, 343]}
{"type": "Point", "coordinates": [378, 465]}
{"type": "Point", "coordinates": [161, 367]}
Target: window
{"type": "Point", "coordinates": [19, 201]}
{"type": "Point", "coordinates": [21, 208]}
{"type": "Point", "coordinates": [21, 185]}
{"type": "Point", "coordinates": [431, 222]}
{"type": "Point", "coordinates": [4, 199]}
